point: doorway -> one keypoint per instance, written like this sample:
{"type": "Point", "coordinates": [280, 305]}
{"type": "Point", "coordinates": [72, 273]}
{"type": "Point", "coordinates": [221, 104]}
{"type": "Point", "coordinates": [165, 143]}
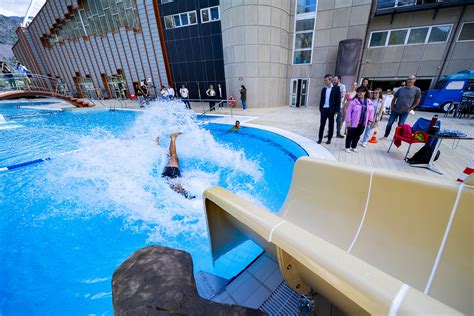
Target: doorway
{"type": "Point", "coordinates": [117, 87]}
{"type": "Point", "coordinates": [299, 92]}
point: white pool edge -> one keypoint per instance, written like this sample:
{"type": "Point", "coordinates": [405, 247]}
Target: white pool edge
{"type": "Point", "coordinates": [312, 148]}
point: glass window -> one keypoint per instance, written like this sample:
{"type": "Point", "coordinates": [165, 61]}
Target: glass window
{"type": "Point", "coordinates": [467, 32]}
{"type": "Point", "coordinates": [177, 22]}
{"type": "Point", "coordinates": [192, 18]}
{"type": "Point", "coordinates": [402, 3]}
{"type": "Point", "coordinates": [169, 22]}
{"type": "Point", "coordinates": [215, 13]}
{"type": "Point", "coordinates": [378, 39]}
{"type": "Point", "coordinates": [304, 40]}
{"type": "Point", "coordinates": [417, 36]}
{"type": "Point", "coordinates": [304, 25]}
{"type": "Point", "coordinates": [302, 57]}
{"type": "Point", "coordinates": [166, 1]}
{"type": "Point", "coordinates": [305, 6]}
{"type": "Point", "coordinates": [184, 19]}
{"type": "Point", "coordinates": [455, 85]}
{"type": "Point", "coordinates": [440, 84]}
{"type": "Point", "coordinates": [384, 4]}
{"type": "Point", "coordinates": [439, 33]}
{"type": "Point", "coordinates": [397, 37]}
{"type": "Point", "coordinates": [205, 15]}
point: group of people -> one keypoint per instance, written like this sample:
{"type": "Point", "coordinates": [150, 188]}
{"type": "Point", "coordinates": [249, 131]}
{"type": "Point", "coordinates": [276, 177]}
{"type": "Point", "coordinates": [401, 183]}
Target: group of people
{"type": "Point", "coordinates": [211, 95]}
{"type": "Point", "coordinates": [362, 109]}
{"type": "Point", "coordinates": [170, 94]}
{"type": "Point", "coordinates": [167, 93]}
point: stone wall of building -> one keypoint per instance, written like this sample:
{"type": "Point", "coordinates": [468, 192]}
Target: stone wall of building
{"type": "Point", "coordinates": [423, 60]}
{"type": "Point", "coordinates": [255, 35]}
{"type": "Point", "coordinates": [136, 53]}
{"type": "Point", "coordinates": [336, 20]}
{"type": "Point", "coordinates": [462, 53]}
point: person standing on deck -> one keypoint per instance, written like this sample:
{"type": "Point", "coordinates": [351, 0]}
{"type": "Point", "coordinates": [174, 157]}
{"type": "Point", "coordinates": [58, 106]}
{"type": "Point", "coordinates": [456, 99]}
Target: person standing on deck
{"type": "Point", "coordinates": [405, 99]}
{"type": "Point", "coordinates": [329, 106]}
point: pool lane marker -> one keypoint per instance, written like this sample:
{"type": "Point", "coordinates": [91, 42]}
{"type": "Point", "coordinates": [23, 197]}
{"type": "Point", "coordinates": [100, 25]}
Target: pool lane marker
{"type": "Point", "coordinates": [32, 162]}
{"type": "Point", "coordinates": [23, 164]}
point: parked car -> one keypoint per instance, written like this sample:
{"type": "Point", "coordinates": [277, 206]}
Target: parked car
{"type": "Point", "coordinates": [447, 90]}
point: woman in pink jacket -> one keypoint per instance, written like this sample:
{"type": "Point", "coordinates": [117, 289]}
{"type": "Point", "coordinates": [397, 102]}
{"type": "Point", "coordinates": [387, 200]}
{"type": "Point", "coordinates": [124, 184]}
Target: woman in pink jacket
{"type": "Point", "coordinates": [359, 112]}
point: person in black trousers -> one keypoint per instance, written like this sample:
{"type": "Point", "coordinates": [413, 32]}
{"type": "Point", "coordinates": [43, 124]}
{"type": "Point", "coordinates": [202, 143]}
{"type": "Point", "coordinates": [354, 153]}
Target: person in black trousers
{"type": "Point", "coordinates": [329, 106]}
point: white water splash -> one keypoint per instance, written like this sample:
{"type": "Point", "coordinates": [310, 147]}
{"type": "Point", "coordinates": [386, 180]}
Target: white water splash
{"type": "Point", "coordinates": [121, 176]}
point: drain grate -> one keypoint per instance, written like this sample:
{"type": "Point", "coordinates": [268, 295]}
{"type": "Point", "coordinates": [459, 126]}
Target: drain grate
{"type": "Point", "coordinates": [283, 301]}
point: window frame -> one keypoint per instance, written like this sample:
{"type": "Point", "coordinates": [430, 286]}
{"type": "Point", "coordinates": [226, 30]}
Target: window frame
{"type": "Point", "coordinates": [209, 14]}
{"type": "Point", "coordinates": [395, 30]}
{"type": "Point", "coordinates": [462, 41]}
{"type": "Point", "coordinates": [386, 39]}
{"type": "Point", "coordinates": [311, 12]}
{"type": "Point", "coordinates": [173, 16]}
{"type": "Point", "coordinates": [299, 17]}
{"type": "Point", "coordinates": [416, 28]}
{"type": "Point", "coordinates": [430, 27]}
{"type": "Point", "coordinates": [447, 37]}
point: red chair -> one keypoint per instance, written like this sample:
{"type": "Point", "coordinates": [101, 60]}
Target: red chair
{"type": "Point", "coordinates": [401, 135]}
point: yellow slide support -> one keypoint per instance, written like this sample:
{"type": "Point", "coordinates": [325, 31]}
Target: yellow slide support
{"type": "Point", "coordinates": [371, 241]}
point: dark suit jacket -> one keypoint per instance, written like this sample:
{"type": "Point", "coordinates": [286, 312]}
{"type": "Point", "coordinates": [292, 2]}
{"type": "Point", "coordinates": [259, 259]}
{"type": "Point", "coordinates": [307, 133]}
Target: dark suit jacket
{"type": "Point", "coordinates": [334, 99]}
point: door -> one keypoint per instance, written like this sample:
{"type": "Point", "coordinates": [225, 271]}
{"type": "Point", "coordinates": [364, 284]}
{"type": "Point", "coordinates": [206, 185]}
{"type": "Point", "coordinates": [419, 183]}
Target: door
{"type": "Point", "coordinates": [299, 92]}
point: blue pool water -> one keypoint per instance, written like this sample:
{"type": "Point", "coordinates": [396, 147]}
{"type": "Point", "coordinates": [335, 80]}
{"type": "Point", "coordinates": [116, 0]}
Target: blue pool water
{"type": "Point", "coordinates": [68, 223]}
{"type": "Point", "coordinates": [9, 108]}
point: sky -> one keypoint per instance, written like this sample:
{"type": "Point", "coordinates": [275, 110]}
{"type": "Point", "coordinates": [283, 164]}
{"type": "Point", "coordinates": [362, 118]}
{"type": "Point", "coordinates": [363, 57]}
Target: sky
{"type": "Point", "coordinates": [16, 7]}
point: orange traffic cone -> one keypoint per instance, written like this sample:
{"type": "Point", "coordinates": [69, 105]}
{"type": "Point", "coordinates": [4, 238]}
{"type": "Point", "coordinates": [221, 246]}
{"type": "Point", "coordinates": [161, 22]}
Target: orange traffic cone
{"type": "Point", "coordinates": [373, 140]}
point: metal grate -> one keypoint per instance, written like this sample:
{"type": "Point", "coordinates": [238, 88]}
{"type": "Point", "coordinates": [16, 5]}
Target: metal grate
{"type": "Point", "coordinates": [283, 301]}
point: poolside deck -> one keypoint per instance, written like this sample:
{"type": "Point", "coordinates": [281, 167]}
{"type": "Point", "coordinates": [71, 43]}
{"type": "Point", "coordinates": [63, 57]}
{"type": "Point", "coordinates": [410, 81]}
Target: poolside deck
{"type": "Point", "coordinates": [305, 122]}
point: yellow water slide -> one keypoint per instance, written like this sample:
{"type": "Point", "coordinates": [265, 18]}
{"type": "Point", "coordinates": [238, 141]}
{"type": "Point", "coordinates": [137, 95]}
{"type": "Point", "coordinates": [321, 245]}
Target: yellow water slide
{"type": "Point", "coordinates": [371, 241]}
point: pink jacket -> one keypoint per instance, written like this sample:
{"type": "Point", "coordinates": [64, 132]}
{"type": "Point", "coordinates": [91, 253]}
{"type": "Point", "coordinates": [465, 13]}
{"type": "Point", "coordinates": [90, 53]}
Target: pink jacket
{"type": "Point", "coordinates": [354, 110]}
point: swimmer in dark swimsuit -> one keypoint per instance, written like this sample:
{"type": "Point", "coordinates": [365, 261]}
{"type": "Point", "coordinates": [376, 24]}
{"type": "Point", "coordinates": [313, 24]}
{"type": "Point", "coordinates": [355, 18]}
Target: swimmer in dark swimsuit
{"type": "Point", "coordinates": [171, 171]}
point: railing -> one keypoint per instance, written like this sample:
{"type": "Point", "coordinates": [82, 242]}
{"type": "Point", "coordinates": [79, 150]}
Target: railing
{"type": "Point", "coordinates": [32, 82]}
{"type": "Point", "coordinates": [221, 105]}
{"type": "Point", "coordinates": [113, 106]}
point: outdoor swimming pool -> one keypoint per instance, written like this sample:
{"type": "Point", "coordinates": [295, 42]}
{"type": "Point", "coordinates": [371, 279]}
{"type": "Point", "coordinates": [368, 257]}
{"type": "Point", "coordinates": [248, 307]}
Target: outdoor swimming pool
{"type": "Point", "coordinates": [68, 223]}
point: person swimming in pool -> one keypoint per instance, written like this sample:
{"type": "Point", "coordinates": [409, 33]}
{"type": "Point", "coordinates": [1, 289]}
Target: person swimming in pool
{"type": "Point", "coordinates": [171, 171]}
{"type": "Point", "coordinates": [236, 127]}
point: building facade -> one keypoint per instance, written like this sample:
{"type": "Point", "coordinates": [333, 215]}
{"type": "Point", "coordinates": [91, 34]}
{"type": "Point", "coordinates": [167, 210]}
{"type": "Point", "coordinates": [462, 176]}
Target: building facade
{"type": "Point", "coordinates": [279, 49]}
{"type": "Point", "coordinates": [193, 39]}
{"type": "Point", "coordinates": [427, 38]}
{"type": "Point", "coordinates": [99, 48]}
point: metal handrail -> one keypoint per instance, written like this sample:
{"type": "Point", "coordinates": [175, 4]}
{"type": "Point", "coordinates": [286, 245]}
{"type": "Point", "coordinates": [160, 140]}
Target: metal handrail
{"type": "Point", "coordinates": [215, 105]}
{"type": "Point", "coordinates": [32, 82]}
{"type": "Point", "coordinates": [218, 103]}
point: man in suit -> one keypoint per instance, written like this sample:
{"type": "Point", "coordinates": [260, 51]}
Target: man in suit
{"type": "Point", "coordinates": [329, 106]}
